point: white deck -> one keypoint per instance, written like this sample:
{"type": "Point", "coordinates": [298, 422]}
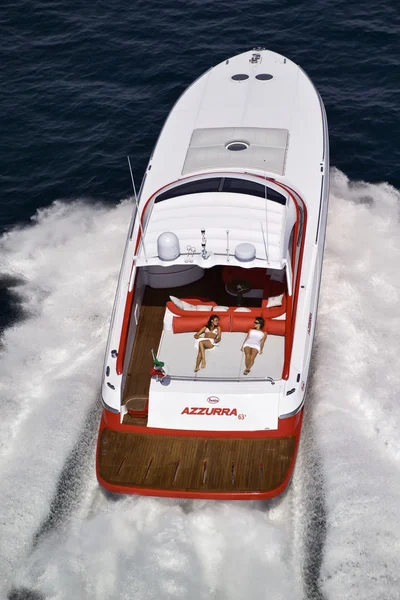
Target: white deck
{"type": "Point", "coordinates": [251, 405]}
{"type": "Point", "coordinates": [287, 101]}
{"type": "Point", "coordinates": [226, 361]}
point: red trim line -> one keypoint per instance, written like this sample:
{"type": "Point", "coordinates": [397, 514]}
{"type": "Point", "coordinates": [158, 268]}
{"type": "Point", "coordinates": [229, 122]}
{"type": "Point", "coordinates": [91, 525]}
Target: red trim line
{"type": "Point", "coordinates": [286, 367]}
{"type": "Point", "coordinates": [292, 307]}
{"type": "Point", "coordinates": [285, 428]}
{"type": "Point", "coordinates": [124, 332]}
{"type": "Point", "coordinates": [129, 300]}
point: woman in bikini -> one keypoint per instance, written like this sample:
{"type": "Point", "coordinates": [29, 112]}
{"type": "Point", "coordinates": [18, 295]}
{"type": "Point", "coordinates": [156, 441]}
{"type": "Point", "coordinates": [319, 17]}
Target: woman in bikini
{"type": "Point", "coordinates": [254, 343]}
{"type": "Point", "coordinates": [212, 335]}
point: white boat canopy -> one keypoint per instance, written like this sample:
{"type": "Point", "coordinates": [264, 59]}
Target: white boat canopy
{"type": "Point", "coordinates": [239, 229]}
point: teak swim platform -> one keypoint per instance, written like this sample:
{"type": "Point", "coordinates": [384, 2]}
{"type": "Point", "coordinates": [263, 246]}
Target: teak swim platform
{"type": "Point", "coordinates": [194, 464]}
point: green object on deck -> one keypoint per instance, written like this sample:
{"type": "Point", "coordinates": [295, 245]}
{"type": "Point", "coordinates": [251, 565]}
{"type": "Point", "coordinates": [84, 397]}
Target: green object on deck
{"type": "Point", "coordinates": [157, 363]}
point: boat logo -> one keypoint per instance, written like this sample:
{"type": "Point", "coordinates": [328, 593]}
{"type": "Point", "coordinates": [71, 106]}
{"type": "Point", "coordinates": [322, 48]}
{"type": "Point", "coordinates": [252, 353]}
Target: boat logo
{"type": "Point", "coordinates": [207, 410]}
{"type": "Point", "coordinates": [212, 400]}
{"type": "Point", "coordinates": [309, 324]}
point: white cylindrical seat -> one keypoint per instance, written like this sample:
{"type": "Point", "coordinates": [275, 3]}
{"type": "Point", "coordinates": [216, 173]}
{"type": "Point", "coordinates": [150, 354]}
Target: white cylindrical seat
{"type": "Point", "coordinates": [245, 252]}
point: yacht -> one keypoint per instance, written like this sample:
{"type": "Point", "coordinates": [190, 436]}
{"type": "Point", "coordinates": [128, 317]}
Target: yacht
{"type": "Point", "coordinates": [229, 222]}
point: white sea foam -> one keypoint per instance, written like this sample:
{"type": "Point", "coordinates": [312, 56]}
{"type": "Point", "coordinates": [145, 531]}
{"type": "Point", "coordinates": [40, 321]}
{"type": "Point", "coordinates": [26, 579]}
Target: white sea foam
{"type": "Point", "coordinates": [152, 548]}
{"type": "Point", "coordinates": [356, 390]}
{"type": "Point", "coordinates": [68, 262]}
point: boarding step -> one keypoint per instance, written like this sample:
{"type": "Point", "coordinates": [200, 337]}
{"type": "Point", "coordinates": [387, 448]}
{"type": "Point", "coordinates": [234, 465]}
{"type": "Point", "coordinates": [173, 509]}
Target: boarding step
{"type": "Point", "coordinates": [136, 407]}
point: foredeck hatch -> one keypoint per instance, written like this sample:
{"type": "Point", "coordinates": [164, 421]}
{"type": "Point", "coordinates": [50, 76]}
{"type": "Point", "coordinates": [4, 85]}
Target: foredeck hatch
{"type": "Point", "coordinates": [264, 149]}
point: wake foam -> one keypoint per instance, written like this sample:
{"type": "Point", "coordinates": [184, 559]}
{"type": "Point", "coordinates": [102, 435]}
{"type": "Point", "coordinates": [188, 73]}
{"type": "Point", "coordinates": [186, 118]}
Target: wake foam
{"type": "Point", "coordinates": [356, 391]}
{"type": "Point", "coordinates": [333, 535]}
{"type": "Point", "coordinates": [67, 263]}
{"type": "Point", "coordinates": [156, 548]}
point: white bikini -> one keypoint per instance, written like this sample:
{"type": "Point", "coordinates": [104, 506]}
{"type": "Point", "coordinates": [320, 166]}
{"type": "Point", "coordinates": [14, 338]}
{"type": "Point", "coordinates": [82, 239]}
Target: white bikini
{"type": "Point", "coordinates": [254, 339]}
{"type": "Point", "coordinates": [212, 340]}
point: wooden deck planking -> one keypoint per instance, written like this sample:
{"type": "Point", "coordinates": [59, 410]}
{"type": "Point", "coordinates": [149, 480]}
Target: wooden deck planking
{"type": "Point", "coordinates": [131, 420]}
{"type": "Point", "coordinates": [148, 336]}
{"type": "Point", "coordinates": [178, 463]}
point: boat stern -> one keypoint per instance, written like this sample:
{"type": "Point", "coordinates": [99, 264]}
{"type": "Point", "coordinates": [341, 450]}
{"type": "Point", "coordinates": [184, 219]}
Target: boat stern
{"type": "Point", "coordinates": [225, 465]}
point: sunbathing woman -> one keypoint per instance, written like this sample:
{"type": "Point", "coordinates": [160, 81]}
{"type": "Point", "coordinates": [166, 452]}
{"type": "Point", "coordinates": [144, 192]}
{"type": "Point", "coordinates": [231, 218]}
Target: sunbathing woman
{"type": "Point", "coordinates": [212, 335]}
{"type": "Point", "coordinates": [254, 343]}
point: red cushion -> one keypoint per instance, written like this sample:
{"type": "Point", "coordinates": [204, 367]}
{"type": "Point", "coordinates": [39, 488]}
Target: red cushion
{"type": "Point", "coordinates": [194, 323]}
{"type": "Point", "coordinates": [275, 327]}
{"type": "Point", "coordinates": [196, 301]}
{"type": "Point", "coordinates": [244, 323]}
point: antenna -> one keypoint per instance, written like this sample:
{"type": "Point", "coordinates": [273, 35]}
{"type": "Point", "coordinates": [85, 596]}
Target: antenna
{"type": "Point", "coordinates": [266, 214]}
{"type": "Point", "coordinates": [265, 244]}
{"type": "Point", "coordinates": [137, 208]}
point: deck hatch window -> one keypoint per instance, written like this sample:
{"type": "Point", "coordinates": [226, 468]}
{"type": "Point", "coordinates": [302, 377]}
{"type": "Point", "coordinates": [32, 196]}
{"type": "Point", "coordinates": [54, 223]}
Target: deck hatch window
{"type": "Point", "coordinates": [243, 186]}
{"type": "Point", "coordinates": [192, 187]}
{"type": "Point", "coordinates": [233, 185]}
{"type": "Point", "coordinates": [264, 76]}
{"type": "Point", "coordinates": [275, 196]}
{"type": "Point", "coordinates": [240, 77]}
{"type": "Point", "coordinates": [237, 146]}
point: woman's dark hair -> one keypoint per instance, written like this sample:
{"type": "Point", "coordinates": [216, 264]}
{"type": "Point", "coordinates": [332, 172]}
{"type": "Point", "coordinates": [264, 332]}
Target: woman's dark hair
{"type": "Point", "coordinates": [209, 323]}
{"type": "Point", "coordinates": [261, 321]}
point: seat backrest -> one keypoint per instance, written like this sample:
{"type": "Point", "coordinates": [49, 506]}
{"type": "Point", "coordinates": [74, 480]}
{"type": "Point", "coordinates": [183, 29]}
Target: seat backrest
{"type": "Point", "coordinates": [241, 322]}
{"type": "Point", "coordinates": [194, 323]}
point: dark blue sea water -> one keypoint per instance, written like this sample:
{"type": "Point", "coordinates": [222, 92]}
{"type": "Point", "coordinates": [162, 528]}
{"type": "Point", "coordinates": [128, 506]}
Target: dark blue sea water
{"type": "Point", "coordinates": [84, 84]}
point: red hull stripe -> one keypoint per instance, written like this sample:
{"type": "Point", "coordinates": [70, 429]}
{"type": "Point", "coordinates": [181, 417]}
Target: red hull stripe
{"type": "Point", "coordinates": [285, 429]}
